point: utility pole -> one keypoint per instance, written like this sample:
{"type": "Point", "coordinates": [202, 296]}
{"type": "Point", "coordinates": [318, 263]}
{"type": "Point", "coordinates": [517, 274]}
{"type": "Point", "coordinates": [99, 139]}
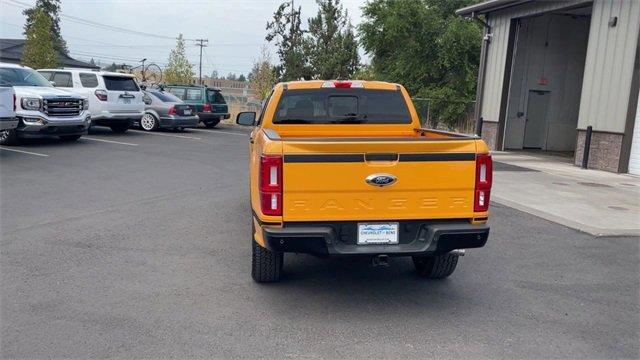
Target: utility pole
{"type": "Point", "coordinates": [201, 43]}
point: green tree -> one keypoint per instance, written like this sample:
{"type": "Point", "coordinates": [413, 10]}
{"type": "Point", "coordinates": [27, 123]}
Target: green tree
{"type": "Point", "coordinates": [286, 32]}
{"type": "Point", "coordinates": [51, 8]}
{"type": "Point", "coordinates": [242, 78]}
{"type": "Point", "coordinates": [330, 44]}
{"type": "Point", "coordinates": [179, 70]}
{"type": "Point", "coordinates": [263, 75]}
{"type": "Point", "coordinates": [38, 49]}
{"type": "Point", "coordinates": [423, 45]}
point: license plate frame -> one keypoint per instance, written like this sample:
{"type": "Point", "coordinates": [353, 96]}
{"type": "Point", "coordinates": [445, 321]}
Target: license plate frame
{"type": "Point", "coordinates": [378, 233]}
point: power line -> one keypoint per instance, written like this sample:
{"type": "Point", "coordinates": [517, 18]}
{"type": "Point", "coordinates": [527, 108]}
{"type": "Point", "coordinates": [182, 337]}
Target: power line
{"type": "Point", "coordinates": [96, 24]}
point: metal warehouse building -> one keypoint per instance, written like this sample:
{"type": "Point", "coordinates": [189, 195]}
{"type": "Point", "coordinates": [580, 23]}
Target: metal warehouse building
{"type": "Point", "coordinates": [551, 69]}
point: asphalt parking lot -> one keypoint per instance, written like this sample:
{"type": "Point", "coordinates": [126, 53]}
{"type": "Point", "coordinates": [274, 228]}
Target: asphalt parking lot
{"type": "Point", "coordinates": [136, 245]}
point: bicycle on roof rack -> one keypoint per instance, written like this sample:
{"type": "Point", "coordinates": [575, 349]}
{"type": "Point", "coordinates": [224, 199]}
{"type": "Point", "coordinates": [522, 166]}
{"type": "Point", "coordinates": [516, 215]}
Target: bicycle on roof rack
{"type": "Point", "coordinates": [150, 74]}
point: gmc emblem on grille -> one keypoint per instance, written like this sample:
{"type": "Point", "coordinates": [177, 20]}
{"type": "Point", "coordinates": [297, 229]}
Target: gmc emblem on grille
{"type": "Point", "coordinates": [381, 179]}
{"type": "Point", "coordinates": [69, 104]}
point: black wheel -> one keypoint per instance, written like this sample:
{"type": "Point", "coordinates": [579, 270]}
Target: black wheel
{"type": "Point", "coordinates": [435, 267]}
{"type": "Point", "coordinates": [70, 137]}
{"type": "Point", "coordinates": [149, 122]}
{"type": "Point", "coordinates": [266, 265]}
{"type": "Point", "coordinates": [119, 128]}
{"type": "Point", "coordinates": [8, 137]}
{"type": "Point", "coordinates": [211, 124]}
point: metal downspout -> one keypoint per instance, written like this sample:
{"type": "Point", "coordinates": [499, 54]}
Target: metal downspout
{"type": "Point", "coordinates": [486, 40]}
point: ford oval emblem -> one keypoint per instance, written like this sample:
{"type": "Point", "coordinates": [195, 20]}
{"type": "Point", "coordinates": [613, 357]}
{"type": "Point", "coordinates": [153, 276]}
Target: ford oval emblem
{"type": "Point", "coordinates": [381, 179]}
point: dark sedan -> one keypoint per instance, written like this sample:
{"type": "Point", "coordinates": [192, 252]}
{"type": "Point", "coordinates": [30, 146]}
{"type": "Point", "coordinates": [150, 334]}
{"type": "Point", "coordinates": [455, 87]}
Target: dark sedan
{"type": "Point", "coordinates": [164, 110]}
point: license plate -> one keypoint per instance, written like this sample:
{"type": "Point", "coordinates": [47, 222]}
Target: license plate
{"type": "Point", "coordinates": [187, 112]}
{"type": "Point", "coordinates": [126, 101]}
{"type": "Point", "coordinates": [377, 233]}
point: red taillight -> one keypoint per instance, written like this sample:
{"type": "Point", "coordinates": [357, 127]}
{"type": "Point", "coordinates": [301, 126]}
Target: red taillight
{"type": "Point", "coordinates": [206, 107]}
{"type": "Point", "coordinates": [270, 185]}
{"type": "Point", "coordinates": [14, 102]}
{"type": "Point", "coordinates": [484, 178]}
{"type": "Point", "coordinates": [342, 84]}
{"type": "Point", "coordinates": [101, 95]}
{"type": "Point", "coordinates": [172, 111]}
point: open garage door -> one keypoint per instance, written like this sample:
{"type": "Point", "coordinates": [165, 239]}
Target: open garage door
{"type": "Point", "coordinates": [546, 80]}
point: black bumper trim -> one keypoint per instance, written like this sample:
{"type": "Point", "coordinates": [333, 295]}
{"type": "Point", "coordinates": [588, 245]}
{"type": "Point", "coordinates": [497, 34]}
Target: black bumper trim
{"type": "Point", "coordinates": [429, 238]}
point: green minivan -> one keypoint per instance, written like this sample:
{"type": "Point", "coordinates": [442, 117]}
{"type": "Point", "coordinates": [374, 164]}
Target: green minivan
{"type": "Point", "coordinates": [208, 102]}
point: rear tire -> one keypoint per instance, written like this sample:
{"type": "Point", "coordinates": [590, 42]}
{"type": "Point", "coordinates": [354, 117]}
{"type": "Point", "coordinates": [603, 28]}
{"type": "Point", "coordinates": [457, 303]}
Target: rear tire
{"type": "Point", "coordinates": [8, 137]}
{"type": "Point", "coordinates": [266, 265]}
{"type": "Point", "coordinates": [435, 267]}
{"type": "Point", "coordinates": [149, 122]}
{"type": "Point", "coordinates": [119, 128]}
{"type": "Point", "coordinates": [70, 138]}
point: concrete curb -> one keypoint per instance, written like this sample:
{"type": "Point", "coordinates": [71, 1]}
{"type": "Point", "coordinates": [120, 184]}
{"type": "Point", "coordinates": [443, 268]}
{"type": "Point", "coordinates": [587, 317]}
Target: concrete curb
{"type": "Point", "coordinates": [566, 222]}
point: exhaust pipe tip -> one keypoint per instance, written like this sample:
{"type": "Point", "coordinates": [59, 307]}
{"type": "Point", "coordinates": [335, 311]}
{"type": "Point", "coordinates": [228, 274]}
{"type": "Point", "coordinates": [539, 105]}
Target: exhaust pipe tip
{"type": "Point", "coordinates": [457, 252]}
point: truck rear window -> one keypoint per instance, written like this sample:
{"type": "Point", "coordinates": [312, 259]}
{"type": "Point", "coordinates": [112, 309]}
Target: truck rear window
{"type": "Point", "coordinates": [342, 106]}
{"type": "Point", "coordinates": [120, 83]}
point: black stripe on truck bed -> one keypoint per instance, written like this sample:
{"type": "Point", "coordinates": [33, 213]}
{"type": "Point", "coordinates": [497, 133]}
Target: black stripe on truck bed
{"type": "Point", "coordinates": [325, 158]}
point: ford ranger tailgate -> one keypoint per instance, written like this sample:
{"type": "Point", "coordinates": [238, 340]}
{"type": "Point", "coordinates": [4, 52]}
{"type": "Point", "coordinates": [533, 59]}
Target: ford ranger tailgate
{"type": "Point", "coordinates": [378, 179]}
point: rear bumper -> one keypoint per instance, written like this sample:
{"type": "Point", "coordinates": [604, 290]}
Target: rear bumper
{"type": "Point", "coordinates": [417, 238]}
{"type": "Point", "coordinates": [212, 116]}
{"type": "Point", "coordinates": [179, 121]}
{"type": "Point", "coordinates": [106, 118]}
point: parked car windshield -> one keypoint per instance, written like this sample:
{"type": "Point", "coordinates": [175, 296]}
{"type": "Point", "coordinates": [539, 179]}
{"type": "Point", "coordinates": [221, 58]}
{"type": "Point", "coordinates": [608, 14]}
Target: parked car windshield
{"type": "Point", "coordinates": [215, 97]}
{"type": "Point", "coordinates": [164, 96]}
{"type": "Point", "coordinates": [120, 83]}
{"type": "Point", "coordinates": [342, 106]}
{"type": "Point", "coordinates": [22, 77]}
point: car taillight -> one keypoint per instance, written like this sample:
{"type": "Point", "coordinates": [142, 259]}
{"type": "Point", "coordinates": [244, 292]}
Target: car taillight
{"type": "Point", "coordinates": [270, 185]}
{"type": "Point", "coordinates": [206, 107]}
{"type": "Point", "coordinates": [172, 111]}
{"type": "Point", "coordinates": [14, 102]}
{"type": "Point", "coordinates": [484, 178]}
{"type": "Point", "coordinates": [101, 95]}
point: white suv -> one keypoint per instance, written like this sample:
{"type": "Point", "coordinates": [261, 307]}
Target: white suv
{"type": "Point", "coordinates": [115, 99]}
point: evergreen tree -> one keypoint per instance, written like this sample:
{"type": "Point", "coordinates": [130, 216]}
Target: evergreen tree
{"type": "Point", "coordinates": [179, 70]}
{"type": "Point", "coordinates": [285, 30]}
{"type": "Point", "coordinates": [52, 9]}
{"type": "Point", "coordinates": [330, 45]}
{"type": "Point", "coordinates": [38, 49]}
{"type": "Point", "coordinates": [242, 78]}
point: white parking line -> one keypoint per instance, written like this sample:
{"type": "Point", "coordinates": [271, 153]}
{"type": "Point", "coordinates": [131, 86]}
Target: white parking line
{"type": "Point", "coordinates": [23, 152]}
{"type": "Point", "coordinates": [109, 141]}
{"type": "Point", "coordinates": [219, 132]}
{"type": "Point", "coordinates": [170, 135]}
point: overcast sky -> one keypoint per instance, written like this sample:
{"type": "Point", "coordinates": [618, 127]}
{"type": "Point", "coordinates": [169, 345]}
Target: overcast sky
{"type": "Point", "coordinates": [235, 28]}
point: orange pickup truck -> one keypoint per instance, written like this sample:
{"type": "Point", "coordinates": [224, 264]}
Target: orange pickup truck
{"type": "Point", "coordinates": [343, 168]}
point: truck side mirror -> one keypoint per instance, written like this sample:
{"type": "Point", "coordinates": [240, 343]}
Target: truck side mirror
{"type": "Point", "coordinates": [246, 118]}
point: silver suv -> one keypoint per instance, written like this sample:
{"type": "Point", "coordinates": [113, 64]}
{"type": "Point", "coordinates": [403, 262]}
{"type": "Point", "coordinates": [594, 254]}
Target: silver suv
{"type": "Point", "coordinates": [42, 109]}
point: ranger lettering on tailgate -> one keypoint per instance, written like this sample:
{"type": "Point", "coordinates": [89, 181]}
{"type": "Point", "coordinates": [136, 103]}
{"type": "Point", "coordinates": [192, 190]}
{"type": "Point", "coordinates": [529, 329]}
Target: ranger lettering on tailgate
{"type": "Point", "coordinates": [343, 168]}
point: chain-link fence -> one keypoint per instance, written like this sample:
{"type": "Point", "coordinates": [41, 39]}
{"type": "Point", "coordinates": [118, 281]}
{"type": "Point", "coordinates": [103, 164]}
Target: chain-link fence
{"type": "Point", "coordinates": [431, 114]}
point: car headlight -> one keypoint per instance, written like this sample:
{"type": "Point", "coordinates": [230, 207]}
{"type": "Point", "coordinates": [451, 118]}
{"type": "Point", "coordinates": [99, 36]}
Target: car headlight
{"type": "Point", "coordinates": [31, 103]}
{"type": "Point", "coordinates": [85, 104]}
